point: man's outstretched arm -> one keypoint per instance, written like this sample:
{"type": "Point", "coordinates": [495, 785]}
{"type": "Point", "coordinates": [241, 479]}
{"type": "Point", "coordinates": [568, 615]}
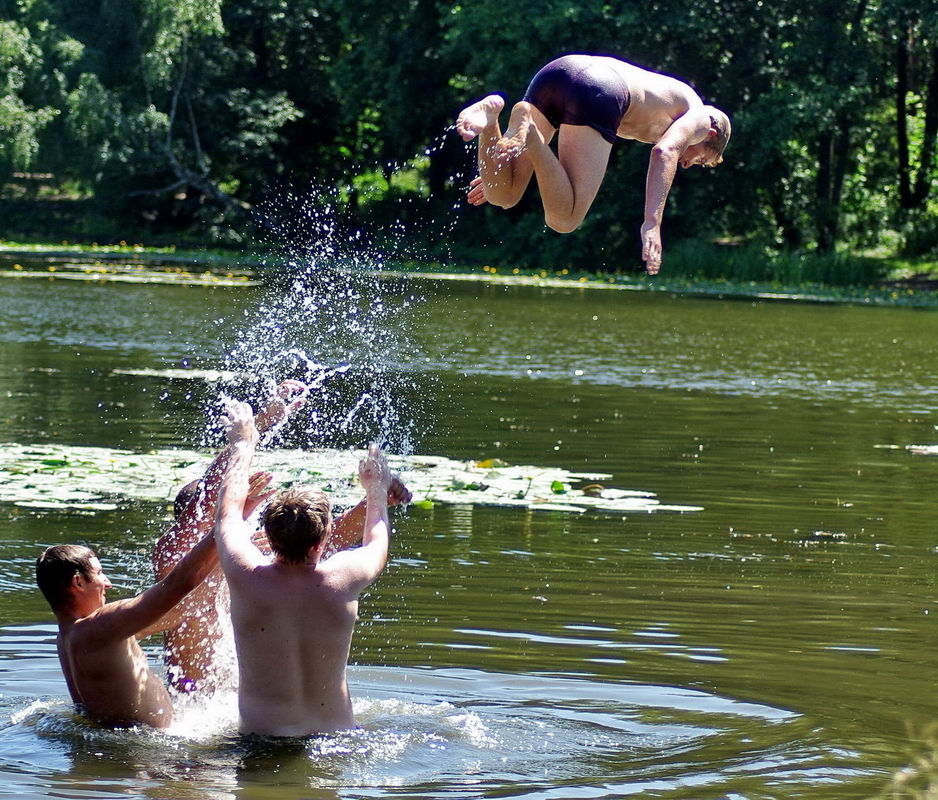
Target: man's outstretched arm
{"type": "Point", "coordinates": [349, 527]}
{"type": "Point", "coordinates": [363, 564]}
{"type": "Point", "coordinates": [690, 127]}
{"type": "Point", "coordinates": [236, 551]}
{"type": "Point", "coordinates": [146, 613]}
{"type": "Point", "coordinates": [198, 517]}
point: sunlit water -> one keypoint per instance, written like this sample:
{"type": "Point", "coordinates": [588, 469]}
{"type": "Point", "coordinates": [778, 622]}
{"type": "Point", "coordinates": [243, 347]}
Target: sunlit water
{"type": "Point", "coordinates": [780, 643]}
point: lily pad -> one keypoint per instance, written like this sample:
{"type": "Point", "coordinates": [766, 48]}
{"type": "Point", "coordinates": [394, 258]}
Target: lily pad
{"type": "Point", "coordinates": [96, 477]}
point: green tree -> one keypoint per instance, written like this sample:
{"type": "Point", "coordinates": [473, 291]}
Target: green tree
{"type": "Point", "coordinates": [21, 120]}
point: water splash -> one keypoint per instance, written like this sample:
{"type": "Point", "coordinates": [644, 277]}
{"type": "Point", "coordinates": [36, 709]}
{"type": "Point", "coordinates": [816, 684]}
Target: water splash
{"type": "Point", "coordinates": [331, 318]}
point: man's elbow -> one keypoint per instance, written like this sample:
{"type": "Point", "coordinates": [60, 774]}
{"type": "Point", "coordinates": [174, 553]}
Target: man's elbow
{"type": "Point", "coordinates": [664, 154]}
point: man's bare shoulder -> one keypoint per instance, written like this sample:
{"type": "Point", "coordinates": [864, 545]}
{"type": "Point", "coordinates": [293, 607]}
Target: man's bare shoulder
{"type": "Point", "coordinates": [169, 550]}
{"type": "Point", "coordinates": [95, 625]}
{"type": "Point", "coordinates": [95, 630]}
{"type": "Point", "coordinates": [658, 83]}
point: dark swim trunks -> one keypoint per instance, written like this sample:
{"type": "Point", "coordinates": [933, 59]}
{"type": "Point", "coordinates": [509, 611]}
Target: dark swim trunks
{"type": "Point", "coordinates": [580, 90]}
{"type": "Point", "coordinates": [184, 685]}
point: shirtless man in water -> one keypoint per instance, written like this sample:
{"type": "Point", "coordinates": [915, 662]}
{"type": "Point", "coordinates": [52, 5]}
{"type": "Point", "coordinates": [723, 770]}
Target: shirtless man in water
{"type": "Point", "coordinates": [293, 613]}
{"type": "Point", "coordinates": [106, 672]}
{"type": "Point", "coordinates": [105, 669]}
{"type": "Point", "coordinates": [592, 101]}
{"type": "Point", "coordinates": [191, 642]}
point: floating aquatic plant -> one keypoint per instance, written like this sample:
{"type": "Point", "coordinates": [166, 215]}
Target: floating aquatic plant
{"type": "Point", "coordinates": [155, 476]}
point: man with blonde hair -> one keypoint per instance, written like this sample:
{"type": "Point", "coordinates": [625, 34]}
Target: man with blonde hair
{"type": "Point", "coordinates": [590, 101]}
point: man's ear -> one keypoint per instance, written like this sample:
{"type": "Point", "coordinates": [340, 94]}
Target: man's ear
{"type": "Point", "coordinates": [78, 581]}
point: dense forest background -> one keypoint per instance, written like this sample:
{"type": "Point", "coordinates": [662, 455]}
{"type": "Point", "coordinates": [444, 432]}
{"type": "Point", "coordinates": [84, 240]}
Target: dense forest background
{"type": "Point", "coordinates": [210, 121]}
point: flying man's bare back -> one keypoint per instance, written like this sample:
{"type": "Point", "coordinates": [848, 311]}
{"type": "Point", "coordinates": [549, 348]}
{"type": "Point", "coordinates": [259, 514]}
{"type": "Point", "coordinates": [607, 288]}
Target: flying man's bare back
{"type": "Point", "coordinates": [655, 102]}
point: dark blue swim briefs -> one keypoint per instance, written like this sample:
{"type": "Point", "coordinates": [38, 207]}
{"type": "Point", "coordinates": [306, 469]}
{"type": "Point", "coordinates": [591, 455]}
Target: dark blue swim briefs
{"type": "Point", "coordinates": [580, 90]}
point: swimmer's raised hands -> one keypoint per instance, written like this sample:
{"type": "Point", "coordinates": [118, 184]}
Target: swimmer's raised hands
{"type": "Point", "coordinates": [258, 493]}
{"type": "Point", "coordinates": [290, 395]}
{"type": "Point", "coordinates": [373, 471]}
{"type": "Point", "coordinates": [238, 423]}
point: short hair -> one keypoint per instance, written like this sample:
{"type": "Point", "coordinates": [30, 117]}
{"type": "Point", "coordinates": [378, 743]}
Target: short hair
{"type": "Point", "coordinates": [720, 122]}
{"type": "Point", "coordinates": [56, 567]}
{"type": "Point", "coordinates": [296, 521]}
{"type": "Point", "coordinates": [185, 496]}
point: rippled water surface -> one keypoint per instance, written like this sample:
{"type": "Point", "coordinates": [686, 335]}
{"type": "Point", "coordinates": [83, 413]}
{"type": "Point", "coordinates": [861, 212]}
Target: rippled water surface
{"type": "Point", "coordinates": [779, 643]}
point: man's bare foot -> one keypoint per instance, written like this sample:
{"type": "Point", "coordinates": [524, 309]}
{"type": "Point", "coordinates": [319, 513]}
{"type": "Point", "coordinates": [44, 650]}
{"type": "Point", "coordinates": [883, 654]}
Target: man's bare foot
{"type": "Point", "coordinates": [472, 120]}
{"type": "Point", "coordinates": [515, 140]}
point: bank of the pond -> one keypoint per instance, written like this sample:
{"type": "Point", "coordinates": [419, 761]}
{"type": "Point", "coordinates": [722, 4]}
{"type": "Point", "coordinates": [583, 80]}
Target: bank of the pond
{"type": "Point", "coordinates": [140, 264]}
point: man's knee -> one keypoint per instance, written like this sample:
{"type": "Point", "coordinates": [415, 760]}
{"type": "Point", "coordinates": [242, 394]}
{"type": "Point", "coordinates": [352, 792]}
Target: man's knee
{"type": "Point", "coordinates": [509, 202]}
{"type": "Point", "coordinates": [502, 199]}
{"type": "Point", "coordinates": [563, 225]}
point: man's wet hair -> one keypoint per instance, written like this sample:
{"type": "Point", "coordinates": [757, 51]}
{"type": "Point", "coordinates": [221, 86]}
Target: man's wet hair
{"type": "Point", "coordinates": [296, 521]}
{"type": "Point", "coordinates": [56, 567]}
{"type": "Point", "coordinates": [185, 496]}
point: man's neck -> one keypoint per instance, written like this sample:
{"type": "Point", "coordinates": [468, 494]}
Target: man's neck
{"type": "Point", "coordinates": [70, 614]}
{"type": "Point", "coordinates": [312, 560]}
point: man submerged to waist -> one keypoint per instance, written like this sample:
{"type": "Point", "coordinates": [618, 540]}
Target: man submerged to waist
{"type": "Point", "coordinates": [293, 613]}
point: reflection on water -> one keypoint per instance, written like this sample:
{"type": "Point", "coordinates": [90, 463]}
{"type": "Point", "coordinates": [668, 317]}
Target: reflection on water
{"type": "Point", "coordinates": [779, 643]}
{"type": "Point", "coordinates": [431, 730]}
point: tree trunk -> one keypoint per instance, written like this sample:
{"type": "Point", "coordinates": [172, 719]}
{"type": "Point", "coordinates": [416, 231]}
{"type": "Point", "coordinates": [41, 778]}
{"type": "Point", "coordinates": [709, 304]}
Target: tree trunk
{"type": "Point", "coordinates": [927, 157]}
{"type": "Point", "coordinates": [791, 234]}
{"type": "Point", "coordinates": [902, 123]}
{"type": "Point", "coordinates": [825, 213]}
{"type": "Point", "coordinates": [261, 51]}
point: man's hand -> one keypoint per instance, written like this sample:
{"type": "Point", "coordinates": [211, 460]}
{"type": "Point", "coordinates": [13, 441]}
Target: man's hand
{"type": "Point", "coordinates": [398, 493]}
{"type": "Point", "coordinates": [238, 422]}
{"type": "Point", "coordinates": [260, 541]}
{"type": "Point", "coordinates": [290, 396]}
{"type": "Point", "coordinates": [476, 196]}
{"type": "Point", "coordinates": [257, 492]}
{"type": "Point", "coordinates": [651, 247]}
{"type": "Point", "coordinates": [373, 471]}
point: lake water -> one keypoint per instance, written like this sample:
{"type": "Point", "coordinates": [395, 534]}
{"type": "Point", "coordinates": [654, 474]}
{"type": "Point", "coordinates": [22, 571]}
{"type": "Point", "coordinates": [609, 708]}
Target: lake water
{"type": "Point", "coordinates": [780, 643]}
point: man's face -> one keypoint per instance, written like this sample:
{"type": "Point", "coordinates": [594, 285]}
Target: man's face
{"type": "Point", "coordinates": [701, 154]}
{"type": "Point", "coordinates": [95, 585]}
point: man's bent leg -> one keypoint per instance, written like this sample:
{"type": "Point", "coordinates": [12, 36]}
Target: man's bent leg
{"type": "Point", "coordinates": [504, 166]}
{"type": "Point", "coordinates": [569, 185]}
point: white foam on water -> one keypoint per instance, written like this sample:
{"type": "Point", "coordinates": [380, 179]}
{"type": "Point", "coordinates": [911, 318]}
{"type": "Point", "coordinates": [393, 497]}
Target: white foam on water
{"type": "Point", "coordinates": [36, 707]}
{"type": "Point", "coordinates": [202, 717]}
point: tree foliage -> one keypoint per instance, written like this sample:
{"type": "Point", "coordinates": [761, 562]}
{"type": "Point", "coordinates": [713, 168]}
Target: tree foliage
{"type": "Point", "coordinates": [184, 114]}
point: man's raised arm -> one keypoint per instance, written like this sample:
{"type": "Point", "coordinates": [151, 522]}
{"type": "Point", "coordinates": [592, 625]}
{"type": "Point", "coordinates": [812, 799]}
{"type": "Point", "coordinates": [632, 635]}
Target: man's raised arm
{"type": "Point", "coordinates": [348, 528]}
{"type": "Point", "coordinates": [232, 534]}
{"type": "Point", "coordinates": [365, 563]}
{"type": "Point", "coordinates": [146, 613]}
{"type": "Point", "coordinates": [198, 516]}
